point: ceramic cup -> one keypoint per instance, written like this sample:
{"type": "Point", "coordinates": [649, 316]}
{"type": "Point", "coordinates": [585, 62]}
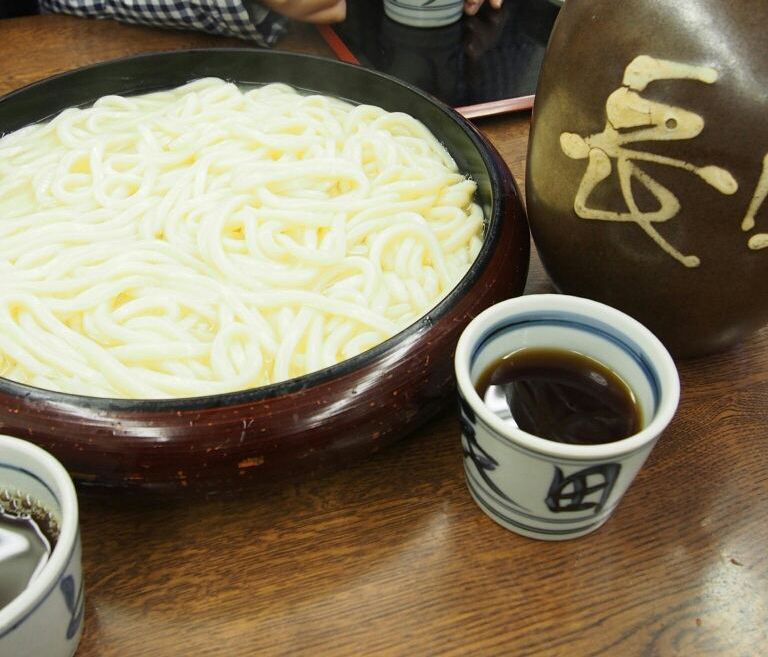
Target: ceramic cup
{"type": "Point", "coordinates": [424, 13]}
{"type": "Point", "coordinates": [46, 619]}
{"type": "Point", "coordinates": [541, 488]}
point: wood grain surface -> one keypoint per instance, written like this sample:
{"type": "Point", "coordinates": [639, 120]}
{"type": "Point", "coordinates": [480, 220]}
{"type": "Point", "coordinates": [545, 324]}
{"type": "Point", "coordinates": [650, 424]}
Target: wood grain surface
{"type": "Point", "coordinates": [392, 557]}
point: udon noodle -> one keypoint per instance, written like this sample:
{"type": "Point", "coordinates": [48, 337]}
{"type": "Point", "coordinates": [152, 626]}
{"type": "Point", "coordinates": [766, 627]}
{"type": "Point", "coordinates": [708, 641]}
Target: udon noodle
{"type": "Point", "coordinates": [209, 239]}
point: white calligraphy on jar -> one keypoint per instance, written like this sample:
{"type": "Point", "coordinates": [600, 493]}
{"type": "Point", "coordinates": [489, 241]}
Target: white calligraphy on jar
{"type": "Point", "coordinates": [631, 118]}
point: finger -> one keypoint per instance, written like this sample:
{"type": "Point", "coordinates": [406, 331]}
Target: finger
{"type": "Point", "coordinates": [471, 7]}
{"type": "Point", "coordinates": [309, 10]}
{"type": "Point", "coordinates": [496, 4]}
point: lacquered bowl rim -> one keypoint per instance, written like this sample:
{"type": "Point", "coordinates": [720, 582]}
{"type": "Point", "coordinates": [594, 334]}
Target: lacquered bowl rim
{"type": "Point", "coordinates": [492, 227]}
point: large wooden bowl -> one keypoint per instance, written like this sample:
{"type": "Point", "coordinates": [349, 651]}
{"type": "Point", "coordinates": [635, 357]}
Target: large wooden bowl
{"type": "Point", "coordinates": [322, 419]}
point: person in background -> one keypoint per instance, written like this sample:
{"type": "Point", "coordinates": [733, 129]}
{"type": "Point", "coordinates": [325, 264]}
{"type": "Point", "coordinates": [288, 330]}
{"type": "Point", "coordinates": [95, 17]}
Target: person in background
{"type": "Point", "coordinates": [259, 21]}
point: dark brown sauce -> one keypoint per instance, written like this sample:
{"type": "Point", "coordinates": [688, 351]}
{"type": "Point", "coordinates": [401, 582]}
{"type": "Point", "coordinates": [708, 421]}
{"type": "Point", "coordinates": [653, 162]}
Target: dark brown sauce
{"type": "Point", "coordinates": [562, 396]}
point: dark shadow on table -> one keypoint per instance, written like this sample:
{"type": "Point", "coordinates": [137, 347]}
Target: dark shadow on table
{"type": "Point", "coordinates": [15, 8]}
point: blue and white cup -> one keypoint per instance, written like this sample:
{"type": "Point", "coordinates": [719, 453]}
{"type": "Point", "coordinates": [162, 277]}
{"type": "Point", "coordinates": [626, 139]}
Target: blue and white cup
{"type": "Point", "coordinates": [537, 487]}
{"type": "Point", "coordinates": [424, 13]}
{"type": "Point", "coordinates": [46, 618]}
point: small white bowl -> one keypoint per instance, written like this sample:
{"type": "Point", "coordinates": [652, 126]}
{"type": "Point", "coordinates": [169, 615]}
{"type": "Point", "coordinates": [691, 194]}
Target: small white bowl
{"type": "Point", "coordinates": [424, 13]}
{"type": "Point", "coordinates": [46, 619]}
{"type": "Point", "coordinates": [546, 489]}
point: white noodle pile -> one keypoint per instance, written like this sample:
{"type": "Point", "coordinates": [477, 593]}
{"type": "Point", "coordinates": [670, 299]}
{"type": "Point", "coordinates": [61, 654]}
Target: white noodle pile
{"type": "Point", "coordinates": [203, 240]}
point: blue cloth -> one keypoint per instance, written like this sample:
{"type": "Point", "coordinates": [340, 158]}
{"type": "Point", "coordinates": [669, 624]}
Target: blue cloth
{"type": "Point", "coordinates": [245, 19]}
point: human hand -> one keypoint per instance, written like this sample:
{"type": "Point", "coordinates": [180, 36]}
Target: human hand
{"type": "Point", "coordinates": [483, 32]}
{"type": "Point", "coordinates": [471, 7]}
{"type": "Point", "coordinates": [310, 11]}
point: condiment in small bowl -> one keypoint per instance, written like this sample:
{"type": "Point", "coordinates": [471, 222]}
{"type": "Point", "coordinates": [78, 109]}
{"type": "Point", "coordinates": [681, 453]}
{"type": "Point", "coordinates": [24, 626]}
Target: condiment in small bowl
{"type": "Point", "coordinates": [42, 604]}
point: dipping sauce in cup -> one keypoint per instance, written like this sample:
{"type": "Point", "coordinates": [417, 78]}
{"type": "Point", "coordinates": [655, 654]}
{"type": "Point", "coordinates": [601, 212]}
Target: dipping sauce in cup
{"type": "Point", "coordinates": [562, 400]}
{"type": "Point", "coordinates": [560, 395]}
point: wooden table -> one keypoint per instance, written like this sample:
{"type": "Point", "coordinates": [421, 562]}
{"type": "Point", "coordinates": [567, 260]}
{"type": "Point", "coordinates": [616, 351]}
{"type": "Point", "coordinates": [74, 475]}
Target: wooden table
{"type": "Point", "coordinates": [392, 557]}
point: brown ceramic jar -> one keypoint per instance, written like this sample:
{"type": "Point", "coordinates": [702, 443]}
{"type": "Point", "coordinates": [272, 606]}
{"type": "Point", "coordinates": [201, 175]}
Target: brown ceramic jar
{"type": "Point", "coordinates": [648, 164]}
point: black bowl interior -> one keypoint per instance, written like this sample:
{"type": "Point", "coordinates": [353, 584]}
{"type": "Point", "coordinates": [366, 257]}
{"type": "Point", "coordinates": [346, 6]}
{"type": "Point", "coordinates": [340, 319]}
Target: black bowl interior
{"type": "Point", "coordinates": [144, 73]}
